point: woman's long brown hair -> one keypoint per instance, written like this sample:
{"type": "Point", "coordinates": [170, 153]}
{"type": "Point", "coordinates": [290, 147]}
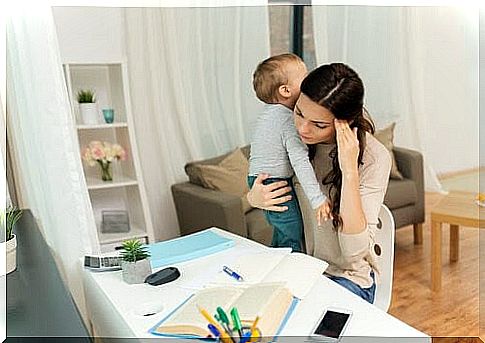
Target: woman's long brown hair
{"type": "Point", "coordinates": [340, 90]}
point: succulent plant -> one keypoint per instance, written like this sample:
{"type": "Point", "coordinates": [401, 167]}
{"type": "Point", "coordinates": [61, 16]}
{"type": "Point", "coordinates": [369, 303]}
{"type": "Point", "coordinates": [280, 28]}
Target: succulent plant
{"type": "Point", "coordinates": [133, 251]}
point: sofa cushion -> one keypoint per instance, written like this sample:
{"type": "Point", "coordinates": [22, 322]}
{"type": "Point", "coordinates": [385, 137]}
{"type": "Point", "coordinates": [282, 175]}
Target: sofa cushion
{"type": "Point", "coordinates": [228, 176]}
{"type": "Point", "coordinates": [193, 171]}
{"type": "Point", "coordinates": [386, 137]}
{"type": "Point", "coordinates": [258, 228]}
{"type": "Point", "coordinates": [400, 193]}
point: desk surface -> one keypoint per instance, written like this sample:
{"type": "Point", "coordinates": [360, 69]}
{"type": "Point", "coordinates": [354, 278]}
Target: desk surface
{"type": "Point", "coordinates": [114, 305]}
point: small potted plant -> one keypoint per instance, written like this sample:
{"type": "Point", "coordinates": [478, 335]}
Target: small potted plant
{"type": "Point", "coordinates": [135, 264]}
{"type": "Point", "coordinates": [8, 220]}
{"type": "Point", "coordinates": [87, 106]}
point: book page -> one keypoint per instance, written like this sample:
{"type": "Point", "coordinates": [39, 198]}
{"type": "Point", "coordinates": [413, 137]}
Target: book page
{"type": "Point", "coordinates": [269, 301]}
{"type": "Point", "coordinates": [299, 271]}
{"type": "Point", "coordinates": [188, 320]}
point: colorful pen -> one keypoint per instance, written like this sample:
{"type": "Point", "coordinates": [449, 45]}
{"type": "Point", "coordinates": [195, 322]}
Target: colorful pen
{"type": "Point", "coordinates": [224, 336]}
{"type": "Point", "coordinates": [255, 324]}
{"type": "Point", "coordinates": [232, 273]}
{"type": "Point", "coordinates": [221, 317]}
{"type": "Point", "coordinates": [214, 330]}
{"type": "Point", "coordinates": [246, 337]}
{"type": "Point", "coordinates": [236, 321]}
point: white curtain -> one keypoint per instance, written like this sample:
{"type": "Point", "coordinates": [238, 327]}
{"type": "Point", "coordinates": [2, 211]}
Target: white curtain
{"type": "Point", "coordinates": [191, 87]}
{"type": "Point", "coordinates": [45, 143]}
{"type": "Point", "coordinates": [420, 69]}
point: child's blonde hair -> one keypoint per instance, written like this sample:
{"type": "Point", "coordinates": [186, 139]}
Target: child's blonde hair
{"type": "Point", "coordinates": [271, 74]}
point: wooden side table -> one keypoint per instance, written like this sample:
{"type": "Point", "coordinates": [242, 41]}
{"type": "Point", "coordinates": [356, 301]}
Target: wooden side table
{"type": "Point", "coordinates": [457, 209]}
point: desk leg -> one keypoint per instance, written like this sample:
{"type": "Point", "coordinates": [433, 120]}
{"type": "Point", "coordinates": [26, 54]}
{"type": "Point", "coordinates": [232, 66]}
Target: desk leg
{"type": "Point", "coordinates": [454, 243]}
{"type": "Point", "coordinates": [435, 256]}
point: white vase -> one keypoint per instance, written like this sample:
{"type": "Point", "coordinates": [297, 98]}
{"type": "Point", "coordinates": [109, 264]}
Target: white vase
{"type": "Point", "coordinates": [136, 272]}
{"type": "Point", "coordinates": [11, 249]}
{"type": "Point", "coordinates": [89, 113]}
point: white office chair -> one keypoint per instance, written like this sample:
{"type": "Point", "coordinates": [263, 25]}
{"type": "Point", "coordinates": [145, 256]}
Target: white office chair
{"type": "Point", "coordinates": [384, 249]}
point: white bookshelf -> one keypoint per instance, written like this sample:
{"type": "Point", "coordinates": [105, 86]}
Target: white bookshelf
{"type": "Point", "coordinates": [126, 191]}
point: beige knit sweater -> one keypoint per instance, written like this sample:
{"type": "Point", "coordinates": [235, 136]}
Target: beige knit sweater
{"type": "Point", "coordinates": [349, 255]}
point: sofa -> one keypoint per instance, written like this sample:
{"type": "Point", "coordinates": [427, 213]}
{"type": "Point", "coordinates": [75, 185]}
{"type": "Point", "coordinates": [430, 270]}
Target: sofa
{"type": "Point", "coordinates": [199, 207]}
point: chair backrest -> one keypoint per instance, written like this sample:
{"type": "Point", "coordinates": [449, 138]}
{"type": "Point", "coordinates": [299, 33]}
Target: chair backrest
{"type": "Point", "coordinates": [384, 249]}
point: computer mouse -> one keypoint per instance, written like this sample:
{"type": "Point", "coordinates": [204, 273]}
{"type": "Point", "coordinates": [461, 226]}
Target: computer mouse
{"type": "Point", "coordinates": [163, 276]}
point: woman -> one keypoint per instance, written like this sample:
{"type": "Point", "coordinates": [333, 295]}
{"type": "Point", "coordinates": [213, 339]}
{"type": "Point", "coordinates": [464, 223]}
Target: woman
{"type": "Point", "coordinates": [353, 168]}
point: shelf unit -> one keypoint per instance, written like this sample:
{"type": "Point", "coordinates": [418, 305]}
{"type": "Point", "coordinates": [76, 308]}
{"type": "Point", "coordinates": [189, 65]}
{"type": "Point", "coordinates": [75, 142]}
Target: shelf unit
{"type": "Point", "coordinates": [126, 191]}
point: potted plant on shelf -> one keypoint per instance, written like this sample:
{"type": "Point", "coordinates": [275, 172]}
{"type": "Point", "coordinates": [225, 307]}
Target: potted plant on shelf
{"type": "Point", "coordinates": [103, 153]}
{"type": "Point", "coordinates": [135, 264]}
{"type": "Point", "coordinates": [87, 106]}
{"type": "Point", "coordinates": [8, 220]}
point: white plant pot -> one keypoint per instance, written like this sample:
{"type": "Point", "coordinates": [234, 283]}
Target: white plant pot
{"type": "Point", "coordinates": [11, 249]}
{"type": "Point", "coordinates": [89, 113]}
{"type": "Point", "coordinates": [135, 272]}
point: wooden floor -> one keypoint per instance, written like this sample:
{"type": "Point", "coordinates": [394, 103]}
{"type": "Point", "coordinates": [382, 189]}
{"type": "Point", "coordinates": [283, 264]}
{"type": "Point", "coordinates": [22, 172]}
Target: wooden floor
{"type": "Point", "coordinates": [454, 310]}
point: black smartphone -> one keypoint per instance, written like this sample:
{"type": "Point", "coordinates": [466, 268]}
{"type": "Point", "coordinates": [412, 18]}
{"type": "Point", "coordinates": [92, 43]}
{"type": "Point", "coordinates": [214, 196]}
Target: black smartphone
{"type": "Point", "coordinates": [332, 324]}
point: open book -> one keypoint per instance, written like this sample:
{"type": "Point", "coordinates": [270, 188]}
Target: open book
{"type": "Point", "coordinates": [298, 271]}
{"type": "Point", "coordinates": [272, 302]}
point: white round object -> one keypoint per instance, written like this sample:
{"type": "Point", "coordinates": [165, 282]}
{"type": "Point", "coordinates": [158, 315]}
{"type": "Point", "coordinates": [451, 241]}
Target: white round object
{"type": "Point", "coordinates": [148, 308]}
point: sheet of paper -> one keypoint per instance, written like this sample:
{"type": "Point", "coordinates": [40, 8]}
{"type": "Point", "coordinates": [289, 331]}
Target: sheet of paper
{"type": "Point", "coordinates": [299, 271]}
{"type": "Point", "coordinates": [253, 267]}
{"type": "Point", "coordinates": [206, 275]}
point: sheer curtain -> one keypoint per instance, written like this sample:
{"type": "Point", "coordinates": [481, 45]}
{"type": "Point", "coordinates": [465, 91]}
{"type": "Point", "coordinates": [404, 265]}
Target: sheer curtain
{"type": "Point", "coordinates": [45, 144]}
{"type": "Point", "coordinates": [190, 73]}
{"type": "Point", "coordinates": [419, 66]}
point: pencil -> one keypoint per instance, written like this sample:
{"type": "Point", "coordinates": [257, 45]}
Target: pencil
{"type": "Point", "coordinates": [224, 336]}
{"type": "Point", "coordinates": [255, 323]}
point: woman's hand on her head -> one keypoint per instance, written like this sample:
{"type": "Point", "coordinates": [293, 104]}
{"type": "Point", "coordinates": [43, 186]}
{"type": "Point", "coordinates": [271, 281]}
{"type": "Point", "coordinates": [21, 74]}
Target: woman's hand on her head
{"type": "Point", "coordinates": [268, 197]}
{"type": "Point", "coordinates": [348, 147]}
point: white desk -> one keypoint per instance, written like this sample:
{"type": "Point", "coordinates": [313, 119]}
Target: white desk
{"type": "Point", "coordinates": [113, 304]}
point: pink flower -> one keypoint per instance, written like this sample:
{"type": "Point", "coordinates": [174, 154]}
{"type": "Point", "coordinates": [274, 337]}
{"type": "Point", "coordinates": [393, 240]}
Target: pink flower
{"type": "Point", "coordinates": [97, 153]}
{"type": "Point", "coordinates": [102, 151]}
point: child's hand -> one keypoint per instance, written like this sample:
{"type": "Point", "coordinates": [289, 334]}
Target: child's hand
{"type": "Point", "coordinates": [324, 212]}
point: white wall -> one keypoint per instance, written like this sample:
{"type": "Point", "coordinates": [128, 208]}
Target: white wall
{"type": "Point", "coordinates": [89, 34]}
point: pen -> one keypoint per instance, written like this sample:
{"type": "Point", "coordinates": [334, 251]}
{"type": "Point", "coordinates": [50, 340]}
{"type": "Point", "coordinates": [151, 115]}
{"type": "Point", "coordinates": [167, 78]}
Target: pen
{"type": "Point", "coordinates": [232, 273]}
{"type": "Point", "coordinates": [221, 316]}
{"type": "Point", "coordinates": [246, 337]}
{"type": "Point", "coordinates": [224, 336]}
{"type": "Point", "coordinates": [236, 321]}
{"type": "Point", "coordinates": [255, 324]}
{"type": "Point", "coordinates": [214, 330]}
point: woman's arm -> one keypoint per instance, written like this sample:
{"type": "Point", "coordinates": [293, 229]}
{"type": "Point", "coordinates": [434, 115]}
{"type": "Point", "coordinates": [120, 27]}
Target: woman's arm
{"type": "Point", "coordinates": [371, 187]}
{"type": "Point", "coordinates": [351, 210]}
{"type": "Point", "coordinates": [268, 197]}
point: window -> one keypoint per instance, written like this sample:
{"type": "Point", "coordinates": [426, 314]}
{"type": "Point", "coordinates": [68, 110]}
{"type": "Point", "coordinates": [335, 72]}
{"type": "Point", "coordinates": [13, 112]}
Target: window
{"type": "Point", "coordinates": [280, 28]}
{"type": "Point", "coordinates": [283, 36]}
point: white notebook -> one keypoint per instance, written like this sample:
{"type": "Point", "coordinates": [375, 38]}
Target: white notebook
{"type": "Point", "coordinates": [298, 271]}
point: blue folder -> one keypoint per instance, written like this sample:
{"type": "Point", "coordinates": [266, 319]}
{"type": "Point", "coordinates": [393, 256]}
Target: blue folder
{"type": "Point", "coordinates": [187, 248]}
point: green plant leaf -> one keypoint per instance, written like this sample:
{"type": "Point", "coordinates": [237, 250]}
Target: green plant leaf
{"type": "Point", "coordinates": [133, 251]}
{"type": "Point", "coordinates": [9, 219]}
{"type": "Point", "coordinates": [86, 96]}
